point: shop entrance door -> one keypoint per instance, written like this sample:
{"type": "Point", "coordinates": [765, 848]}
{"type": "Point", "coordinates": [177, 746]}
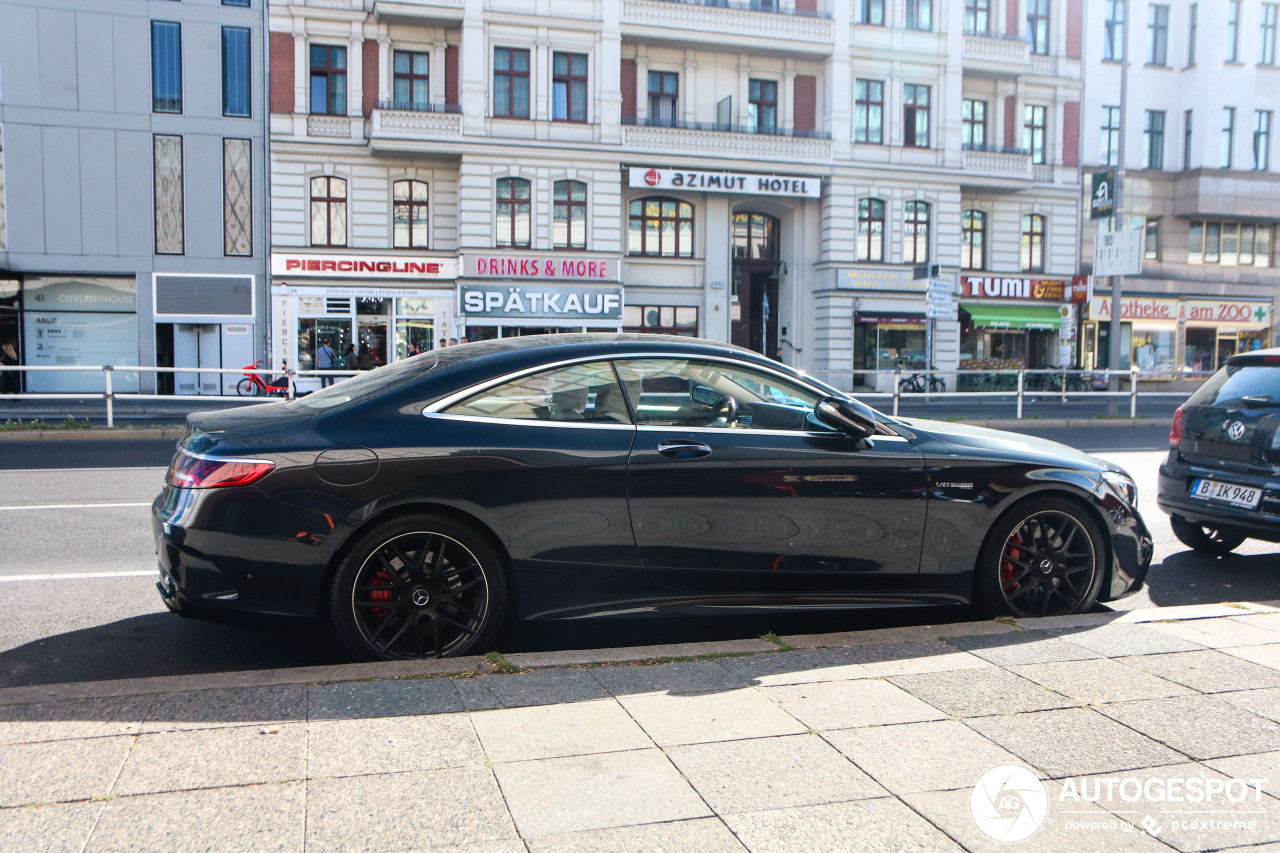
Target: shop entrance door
{"type": "Point", "coordinates": [197, 345]}
{"type": "Point", "coordinates": [754, 317]}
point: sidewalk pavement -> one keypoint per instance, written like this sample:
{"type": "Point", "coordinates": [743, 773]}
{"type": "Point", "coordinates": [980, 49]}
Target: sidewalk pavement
{"type": "Point", "coordinates": [843, 742]}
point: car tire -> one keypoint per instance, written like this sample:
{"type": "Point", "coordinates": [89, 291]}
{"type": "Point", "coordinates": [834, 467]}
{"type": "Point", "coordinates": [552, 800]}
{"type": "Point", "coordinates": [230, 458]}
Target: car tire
{"type": "Point", "coordinates": [1205, 538]}
{"type": "Point", "coordinates": [246, 388]}
{"type": "Point", "coordinates": [1045, 557]}
{"type": "Point", "coordinates": [418, 586]}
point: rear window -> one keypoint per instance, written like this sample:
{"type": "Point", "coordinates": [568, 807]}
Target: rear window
{"type": "Point", "coordinates": [1231, 383]}
{"type": "Point", "coordinates": [372, 382]}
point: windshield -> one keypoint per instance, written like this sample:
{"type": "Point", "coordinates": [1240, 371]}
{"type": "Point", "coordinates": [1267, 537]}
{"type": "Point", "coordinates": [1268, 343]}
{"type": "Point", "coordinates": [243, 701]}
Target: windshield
{"type": "Point", "coordinates": [1234, 382]}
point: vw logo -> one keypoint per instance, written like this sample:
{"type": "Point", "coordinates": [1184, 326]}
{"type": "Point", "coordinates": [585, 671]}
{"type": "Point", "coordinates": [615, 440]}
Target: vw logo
{"type": "Point", "coordinates": [1235, 430]}
{"type": "Point", "coordinates": [420, 597]}
{"type": "Point", "coordinates": [652, 177]}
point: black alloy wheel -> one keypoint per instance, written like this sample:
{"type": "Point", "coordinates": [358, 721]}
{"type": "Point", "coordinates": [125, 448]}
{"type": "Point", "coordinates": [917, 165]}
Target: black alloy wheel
{"type": "Point", "coordinates": [418, 587]}
{"type": "Point", "coordinates": [1205, 538]}
{"type": "Point", "coordinates": [1045, 558]}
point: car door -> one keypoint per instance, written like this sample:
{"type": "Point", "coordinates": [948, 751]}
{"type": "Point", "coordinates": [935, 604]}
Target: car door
{"type": "Point", "coordinates": [735, 487]}
{"type": "Point", "coordinates": [548, 464]}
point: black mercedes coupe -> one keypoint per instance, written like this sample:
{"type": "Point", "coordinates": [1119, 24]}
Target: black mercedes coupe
{"type": "Point", "coordinates": [417, 506]}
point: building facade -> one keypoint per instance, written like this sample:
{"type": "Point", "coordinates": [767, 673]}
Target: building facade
{"type": "Point", "coordinates": [132, 190]}
{"type": "Point", "coordinates": [1198, 178]}
{"type": "Point", "coordinates": [767, 172]}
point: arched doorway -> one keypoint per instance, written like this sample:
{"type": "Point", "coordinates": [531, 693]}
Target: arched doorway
{"type": "Point", "coordinates": [754, 312]}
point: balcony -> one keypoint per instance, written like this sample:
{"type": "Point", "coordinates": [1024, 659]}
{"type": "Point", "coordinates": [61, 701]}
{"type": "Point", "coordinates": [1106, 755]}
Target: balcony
{"type": "Point", "coordinates": [329, 127]}
{"type": "Point", "coordinates": [996, 56]}
{"type": "Point", "coordinates": [997, 167]}
{"type": "Point", "coordinates": [769, 25]}
{"type": "Point", "coordinates": [390, 124]}
{"type": "Point", "coordinates": [710, 139]}
{"type": "Point", "coordinates": [418, 12]}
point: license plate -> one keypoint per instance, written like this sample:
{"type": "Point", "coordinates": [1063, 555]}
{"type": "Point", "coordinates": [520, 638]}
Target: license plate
{"type": "Point", "coordinates": [1212, 490]}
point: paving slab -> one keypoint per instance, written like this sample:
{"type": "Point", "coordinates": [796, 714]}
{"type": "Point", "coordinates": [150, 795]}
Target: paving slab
{"type": "Point", "coordinates": [539, 687]}
{"type": "Point", "coordinates": [1261, 770]}
{"type": "Point", "coordinates": [61, 828]}
{"type": "Point", "coordinates": [1264, 703]}
{"type": "Point", "coordinates": [434, 810]}
{"type": "Point", "coordinates": [1218, 633]}
{"type": "Point", "coordinates": [798, 667]}
{"type": "Point", "coordinates": [979, 692]}
{"type": "Point", "coordinates": [1267, 655]}
{"type": "Point", "coordinates": [1080, 827]}
{"type": "Point", "coordinates": [364, 699]}
{"type": "Point", "coordinates": [73, 719]}
{"type": "Point", "coordinates": [849, 704]}
{"type": "Point", "coordinates": [551, 731]}
{"type": "Point", "coordinates": [1209, 671]}
{"type": "Point", "coordinates": [558, 795]}
{"type": "Point", "coordinates": [1269, 621]}
{"type": "Point", "coordinates": [679, 718]}
{"type": "Point", "coordinates": [863, 826]}
{"type": "Point", "coordinates": [1200, 726]}
{"type": "Point", "coordinates": [584, 657]}
{"type": "Point", "coordinates": [1091, 682]}
{"type": "Point", "coordinates": [1123, 640]}
{"type": "Point", "coordinates": [1073, 742]}
{"type": "Point", "coordinates": [61, 771]}
{"type": "Point", "coordinates": [1181, 612]}
{"type": "Point", "coordinates": [1021, 648]}
{"type": "Point", "coordinates": [1072, 621]}
{"type": "Point", "coordinates": [907, 634]}
{"type": "Point", "coordinates": [699, 676]}
{"type": "Point", "coordinates": [237, 706]}
{"type": "Point", "coordinates": [253, 818]}
{"type": "Point", "coordinates": [1177, 820]}
{"type": "Point", "coordinates": [914, 657]}
{"type": "Point", "coordinates": [921, 756]}
{"type": "Point", "coordinates": [391, 745]}
{"type": "Point", "coordinates": [243, 755]}
{"type": "Point", "coordinates": [771, 773]}
{"type": "Point", "coordinates": [705, 835]}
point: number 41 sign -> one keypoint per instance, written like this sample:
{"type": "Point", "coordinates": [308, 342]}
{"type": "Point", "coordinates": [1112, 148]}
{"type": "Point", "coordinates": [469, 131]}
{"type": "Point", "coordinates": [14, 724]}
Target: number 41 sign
{"type": "Point", "coordinates": [1118, 253]}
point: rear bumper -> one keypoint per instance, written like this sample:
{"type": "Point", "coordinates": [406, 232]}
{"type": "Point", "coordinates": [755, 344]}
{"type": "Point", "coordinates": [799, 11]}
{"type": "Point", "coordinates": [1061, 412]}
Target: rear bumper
{"type": "Point", "coordinates": [1172, 497]}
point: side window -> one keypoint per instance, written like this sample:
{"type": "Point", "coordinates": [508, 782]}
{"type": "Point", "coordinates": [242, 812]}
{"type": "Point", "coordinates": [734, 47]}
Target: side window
{"type": "Point", "coordinates": [581, 393]}
{"type": "Point", "coordinates": [691, 393]}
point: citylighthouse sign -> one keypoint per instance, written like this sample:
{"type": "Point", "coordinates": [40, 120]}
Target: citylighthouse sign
{"type": "Point", "coordinates": [742, 183]}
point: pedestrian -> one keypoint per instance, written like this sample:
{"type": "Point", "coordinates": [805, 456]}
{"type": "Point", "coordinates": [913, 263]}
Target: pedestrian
{"type": "Point", "coordinates": [365, 359]}
{"type": "Point", "coordinates": [349, 359]}
{"type": "Point", "coordinates": [453, 342]}
{"type": "Point", "coordinates": [10, 380]}
{"type": "Point", "coordinates": [324, 361]}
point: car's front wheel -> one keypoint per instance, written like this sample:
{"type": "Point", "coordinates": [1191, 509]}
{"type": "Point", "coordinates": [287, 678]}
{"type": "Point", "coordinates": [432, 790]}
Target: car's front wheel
{"type": "Point", "coordinates": [420, 586]}
{"type": "Point", "coordinates": [1043, 558]}
{"type": "Point", "coordinates": [1206, 538]}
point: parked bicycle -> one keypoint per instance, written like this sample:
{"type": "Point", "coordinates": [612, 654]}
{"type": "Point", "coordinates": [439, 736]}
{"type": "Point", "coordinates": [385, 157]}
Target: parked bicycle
{"type": "Point", "coordinates": [916, 382]}
{"type": "Point", "coordinates": [253, 385]}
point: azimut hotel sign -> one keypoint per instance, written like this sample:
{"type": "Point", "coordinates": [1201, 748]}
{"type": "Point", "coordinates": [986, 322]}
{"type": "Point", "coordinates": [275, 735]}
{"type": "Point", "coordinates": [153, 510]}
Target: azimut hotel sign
{"type": "Point", "coordinates": [742, 183]}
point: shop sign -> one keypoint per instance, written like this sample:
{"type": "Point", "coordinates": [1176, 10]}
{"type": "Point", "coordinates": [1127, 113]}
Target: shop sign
{"type": "Point", "coordinates": [571, 303]}
{"type": "Point", "coordinates": [1225, 311]}
{"type": "Point", "coordinates": [541, 267]}
{"type": "Point", "coordinates": [725, 182]}
{"type": "Point", "coordinates": [362, 266]}
{"type": "Point", "coordinates": [96, 294]}
{"type": "Point", "coordinates": [862, 278]}
{"type": "Point", "coordinates": [1135, 308]}
{"type": "Point", "coordinates": [1016, 287]}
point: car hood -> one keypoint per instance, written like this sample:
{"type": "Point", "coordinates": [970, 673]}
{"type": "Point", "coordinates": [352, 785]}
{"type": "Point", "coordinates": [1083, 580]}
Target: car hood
{"type": "Point", "coordinates": [1000, 443]}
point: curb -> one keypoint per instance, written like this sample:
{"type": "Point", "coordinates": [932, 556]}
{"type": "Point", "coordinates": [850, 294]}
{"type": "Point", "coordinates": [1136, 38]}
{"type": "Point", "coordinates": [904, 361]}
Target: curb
{"type": "Point", "coordinates": [476, 665]}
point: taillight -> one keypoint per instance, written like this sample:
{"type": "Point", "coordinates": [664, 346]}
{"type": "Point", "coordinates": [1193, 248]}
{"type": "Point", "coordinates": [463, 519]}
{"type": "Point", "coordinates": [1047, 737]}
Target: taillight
{"type": "Point", "coordinates": [190, 471]}
{"type": "Point", "coordinates": [1175, 431]}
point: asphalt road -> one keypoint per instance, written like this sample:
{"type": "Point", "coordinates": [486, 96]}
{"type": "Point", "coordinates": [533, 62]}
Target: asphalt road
{"type": "Point", "coordinates": [77, 575]}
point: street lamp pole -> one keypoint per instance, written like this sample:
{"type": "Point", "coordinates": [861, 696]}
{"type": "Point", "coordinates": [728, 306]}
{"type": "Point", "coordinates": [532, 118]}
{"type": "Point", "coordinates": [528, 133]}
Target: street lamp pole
{"type": "Point", "coordinates": [1117, 221]}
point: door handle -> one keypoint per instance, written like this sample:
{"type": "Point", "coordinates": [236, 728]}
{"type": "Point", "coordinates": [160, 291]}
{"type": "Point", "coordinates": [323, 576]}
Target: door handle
{"type": "Point", "coordinates": [683, 449]}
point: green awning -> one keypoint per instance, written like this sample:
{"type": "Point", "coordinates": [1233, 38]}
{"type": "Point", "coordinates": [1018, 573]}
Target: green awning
{"type": "Point", "coordinates": [1041, 317]}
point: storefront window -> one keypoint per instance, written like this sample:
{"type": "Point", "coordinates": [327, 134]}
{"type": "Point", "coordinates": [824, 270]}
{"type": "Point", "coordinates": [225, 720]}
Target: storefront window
{"type": "Point", "coordinates": [1151, 349]}
{"type": "Point", "coordinates": [314, 331]}
{"type": "Point", "coordinates": [1201, 349]}
{"type": "Point", "coordinates": [886, 346]}
{"type": "Point", "coordinates": [415, 326]}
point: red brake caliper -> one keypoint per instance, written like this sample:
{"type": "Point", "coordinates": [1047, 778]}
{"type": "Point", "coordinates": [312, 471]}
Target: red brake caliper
{"type": "Point", "coordinates": [380, 578]}
{"type": "Point", "coordinates": [1007, 567]}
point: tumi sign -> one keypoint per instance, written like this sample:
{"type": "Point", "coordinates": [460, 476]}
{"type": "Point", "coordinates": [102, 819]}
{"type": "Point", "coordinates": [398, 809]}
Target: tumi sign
{"type": "Point", "coordinates": [363, 266]}
{"type": "Point", "coordinates": [724, 182]}
{"type": "Point", "coordinates": [1023, 288]}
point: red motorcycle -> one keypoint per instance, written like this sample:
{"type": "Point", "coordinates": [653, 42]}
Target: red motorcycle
{"type": "Point", "coordinates": [253, 385]}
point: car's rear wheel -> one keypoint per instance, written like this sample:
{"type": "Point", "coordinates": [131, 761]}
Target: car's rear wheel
{"type": "Point", "coordinates": [1205, 537]}
{"type": "Point", "coordinates": [1043, 558]}
{"type": "Point", "coordinates": [420, 586]}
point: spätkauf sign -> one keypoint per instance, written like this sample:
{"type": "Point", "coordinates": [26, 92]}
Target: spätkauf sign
{"type": "Point", "coordinates": [724, 182]}
{"type": "Point", "coordinates": [532, 301]}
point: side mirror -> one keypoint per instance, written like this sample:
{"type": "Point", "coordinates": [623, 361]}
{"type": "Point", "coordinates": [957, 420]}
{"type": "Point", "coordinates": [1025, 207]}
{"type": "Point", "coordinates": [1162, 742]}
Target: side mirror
{"type": "Point", "coordinates": [709, 397]}
{"type": "Point", "coordinates": [848, 416]}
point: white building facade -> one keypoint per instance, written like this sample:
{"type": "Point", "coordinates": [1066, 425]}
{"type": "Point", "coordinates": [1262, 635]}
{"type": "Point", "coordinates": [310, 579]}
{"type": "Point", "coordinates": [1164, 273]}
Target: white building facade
{"type": "Point", "coordinates": [766, 173]}
{"type": "Point", "coordinates": [1199, 177]}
